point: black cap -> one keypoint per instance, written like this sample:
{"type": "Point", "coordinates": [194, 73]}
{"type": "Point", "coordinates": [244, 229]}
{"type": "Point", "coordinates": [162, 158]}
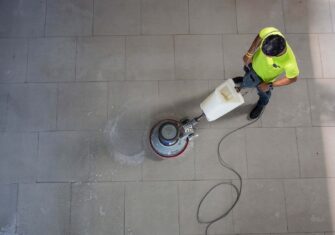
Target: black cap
{"type": "Point", "coordinates": [273, 45]}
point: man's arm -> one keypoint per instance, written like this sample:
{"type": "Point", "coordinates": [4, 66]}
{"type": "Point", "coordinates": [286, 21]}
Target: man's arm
{"type": "Point", "coordinates": [281, 82]}
{"type": "Point", "coordinates": [247, 58]}
{"type": "Point", "coordinates": [284, 81]}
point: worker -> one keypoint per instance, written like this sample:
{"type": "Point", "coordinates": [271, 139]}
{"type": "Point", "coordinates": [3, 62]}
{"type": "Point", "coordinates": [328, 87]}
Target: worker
{"type": "Point", "coordinates": [267, 58]}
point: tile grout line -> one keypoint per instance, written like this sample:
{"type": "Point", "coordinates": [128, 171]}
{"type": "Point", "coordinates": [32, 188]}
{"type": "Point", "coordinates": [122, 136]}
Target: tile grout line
{"type": "Point", "coordinates": [310, 103]}
{"type": "Point", "coordinates": [158, 91]}
{"type": "Point", "coordinates": [125, 75]}
{"type": "Point", "coordinates": [194, 162]}
{"type": "Point", "coordinates": [107, 103]}
{"type": "Point", "coordinates": [7, 114]}
{"type": "Point", "coordinates": [125, 38]}
{"type": "Point", "coordinates": [285, 204]}
{"type": "Point", "coordinates": [96, 130]}
{"type": "Point", "coordinates": [70, 209]}
{"type": "Point", "coordinates": [223, 59]}
{"type": "Point", "coordinates": [92, 18]}
{"type": "Point", "coordinates": [331, 16]}
{"type": "Point", "coordinates": [233, 209]}
{"type": "Point", "coordinates": [57, 101]}
{"type": "Point", "coordinates": [283, 15]}
{"type": "Point", "coordinates": [179, 180]}
{"type": "Point", "coordinates": [17, 207]}
{"type": "Point", "coordinates": [27, 61]}
{"type": "Point", "coordinates": [75, 58]}
{"type": "Point", "coordinates": [45, 19]}
{"type": "Point", "coordinates": [90, 156]}
{"type": "Point", "coordinates": [236, 18]}
{"type": "Point", "coordinates": [174, 58]}
{"type": "Point", "coordinates": [142, 177]}
{"type": "Point", "coordinates": [130, 80]}
{"type": "Point", "coordinates": [246, 153]}
{"type": "Point", "coordinates": [188, 17]}
{"type": "Point", "coordinates": [156, 34]}
{"type": "Point", "coordinates": [321, 60]}
{"type": "Point", "coordinates": [178, 202]}
{"type": "Point", "coordinates": [141, 17]}
{"type": "Point", "coordinates": [297, 148]}
{"type": "Point", "coordinates": [37, 155]}
{"type": "Point", "coordinates": [124, 209]}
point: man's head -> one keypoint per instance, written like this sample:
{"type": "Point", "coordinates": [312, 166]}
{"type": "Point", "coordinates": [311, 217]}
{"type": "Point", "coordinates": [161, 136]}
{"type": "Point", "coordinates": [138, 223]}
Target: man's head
{"type": "Point", "coordinates": [274, 45]}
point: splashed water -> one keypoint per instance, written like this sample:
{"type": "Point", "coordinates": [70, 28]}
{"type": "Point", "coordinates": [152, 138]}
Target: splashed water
{"type": "Point", "coordinates": [126, 146]}
{"type": "Point", "coordinates": [9, 229]}
{"type": "Point", "coordinates": [128, 133]}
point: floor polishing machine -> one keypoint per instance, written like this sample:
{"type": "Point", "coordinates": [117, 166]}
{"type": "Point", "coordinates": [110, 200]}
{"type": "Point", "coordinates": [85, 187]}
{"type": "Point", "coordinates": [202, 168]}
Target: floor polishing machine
{"type": "Point", "coordinates": [169, 138]}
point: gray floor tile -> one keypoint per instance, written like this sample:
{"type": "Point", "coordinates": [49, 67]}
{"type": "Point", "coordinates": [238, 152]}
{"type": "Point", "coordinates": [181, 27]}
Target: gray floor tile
{"type": "Point", "coordinates": [264, 13]}
{"type": "Point", "coordinates": [180, 168]}
{"type": "Point", "coordinates": [164, 17]}
{"type": "Point", "coordinates": [117, 17]}
{"type": "Point", "coordinates": [289, 106]}
{"type": "Point", "coordinates": [234, 48]}
{"type": "Point", "coordinates": [199, 57]}
{"type": "Point", "coordinates": [261, 208]}
{"type": "Point", "coordinates": [239, 116]}
{"type": "Point", "coordinates": [100, 59]}
{"type": "Point", "coordinates": [272, 153]}
{"type": "Point", "coordinates": [132, 105]}
{"type": "Point", "coordinates": [327, 49]}
{"type": "Point", "coordinates": [157, 199]}
{"type": "Point", "coordinates": [44, 209]}
{"type": "Point", "coordinates": [218, 201]}
{"type": "Point", "coordinates": [116, 156]}
{"type": "Point", "coordinates": [309, 204]}
{"type": "Point", "coordinates": [307, 52]}
{"type": "Point", "coordinates": [316, 151]}
{"type": "Point", "coordinates": [182, 98]}
{"type": "Point", "coordinates": [3, 106]}
{"type": "Point", "coordinates": [322, 97]}
{"type": "Point", "coordinates": [51, 59]}
{"type": "Point", "coordinates": [8, 200]}
{"type": "Point", "coordinates": [13, 60]}
{"type": "Point", "coordinates": [32, 107]}
{"type": "Point", "coordinates": [63, 156]}
{"type": "Point", "coordinates": [22, 18]}
{"type": "Point", "coordinates": [150, 58]}
{"type": "Point", "coordinates": [218, 16]}
{"type": "Point", "coordinates": [307, 16]}
{"type": "Point", "coordinates": [82, 106]}
{"type": "Point", "coordinates": [18, 157]}
{"type": "Point", "coordinates": [232, 149]}
{"type": "Point", "coordinates": [97, 208]}
{"type": "Point", "coordinates": [69, 18]}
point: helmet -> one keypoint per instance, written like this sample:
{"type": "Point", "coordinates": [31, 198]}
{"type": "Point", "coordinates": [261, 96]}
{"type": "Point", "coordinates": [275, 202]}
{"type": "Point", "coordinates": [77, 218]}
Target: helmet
{"type": "Point", "coordinates": [273, 45]}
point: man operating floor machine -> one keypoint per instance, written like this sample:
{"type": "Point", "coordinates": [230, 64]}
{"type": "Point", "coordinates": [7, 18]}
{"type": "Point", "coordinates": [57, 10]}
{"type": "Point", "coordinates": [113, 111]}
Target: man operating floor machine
{"type": "Point", "coordinates": [267, 58]}
{"type": "Point", "coordinates": [169, 138]}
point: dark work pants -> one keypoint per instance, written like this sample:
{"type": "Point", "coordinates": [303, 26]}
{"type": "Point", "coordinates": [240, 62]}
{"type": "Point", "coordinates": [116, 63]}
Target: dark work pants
{"type": "Point", "coordinates": [251, 80]}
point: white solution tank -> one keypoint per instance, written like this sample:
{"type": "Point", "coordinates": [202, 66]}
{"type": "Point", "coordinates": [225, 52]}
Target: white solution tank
{"type": "Point", "coordinates": [222, 100]}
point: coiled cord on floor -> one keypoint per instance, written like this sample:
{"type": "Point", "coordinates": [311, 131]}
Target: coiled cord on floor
{"type": "Point", "coordinates": [237, 188]}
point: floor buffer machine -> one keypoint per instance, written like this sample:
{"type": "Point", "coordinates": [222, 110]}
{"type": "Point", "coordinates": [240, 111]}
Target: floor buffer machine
{"type": "Point", "coordinates": [169, 138]}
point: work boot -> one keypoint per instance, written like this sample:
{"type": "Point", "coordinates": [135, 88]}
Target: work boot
{"type": "Point", "coordinates": [238, 80]}
{"type": "Point", "coordinates": [256, 112]}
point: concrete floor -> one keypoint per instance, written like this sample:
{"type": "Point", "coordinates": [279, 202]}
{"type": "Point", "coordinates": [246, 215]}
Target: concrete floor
{"type": "Point", "coordinates": [82, 80]}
